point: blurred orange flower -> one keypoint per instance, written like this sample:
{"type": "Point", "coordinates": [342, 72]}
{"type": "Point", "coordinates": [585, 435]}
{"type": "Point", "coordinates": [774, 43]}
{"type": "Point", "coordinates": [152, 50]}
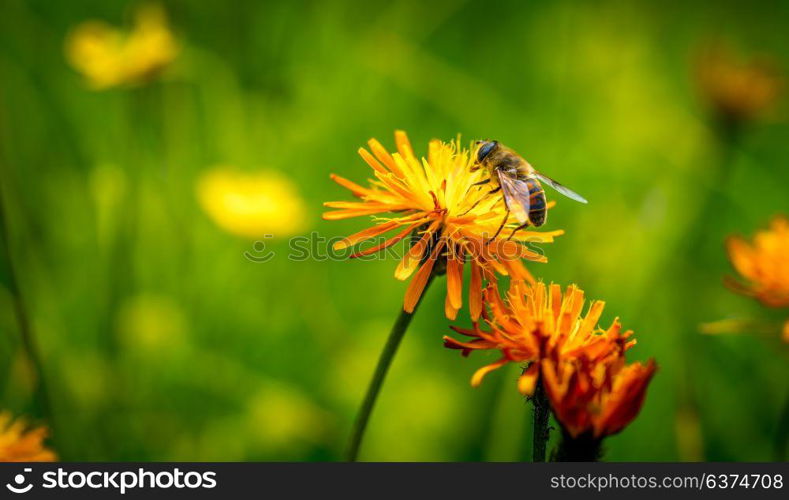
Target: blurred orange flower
{"type": "Point", "coordinates": [596, 398]}
{"type": "Point", "coordinates": [435, 201]}
{"type": "Point", "coordinates": [763, 264]}
{"type": "Point", "coordinates": [109, 57]}
{"type": "Point", "coordinates": [21, 443]}
{"type": "Point", "coordinates": [536, 323]}
{"type": "Point", "coordinates": [737, 89]}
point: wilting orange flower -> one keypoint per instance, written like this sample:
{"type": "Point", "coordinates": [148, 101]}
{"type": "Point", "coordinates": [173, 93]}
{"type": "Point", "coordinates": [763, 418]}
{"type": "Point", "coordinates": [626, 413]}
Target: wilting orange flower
{"type": "Point", "coordinates": [595, 398]}
{"type": "Point", "coordinates": [737, 89]}
{"type": "Point", "coordinates": [452, 220]}
{"type": "Point", "coordinates": [536, 323]}
{"type": "Point", "coordinates": [21, 443]}
{"type": "Point", "coordinates": [109, 57]}
{"type": "Point", "coordinates": [764, 264]}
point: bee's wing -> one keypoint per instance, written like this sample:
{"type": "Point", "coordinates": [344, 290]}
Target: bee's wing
{"type": "Point", "coordinates": [516, 196]}
{"type": "Point", "coordinates": [561, 188]}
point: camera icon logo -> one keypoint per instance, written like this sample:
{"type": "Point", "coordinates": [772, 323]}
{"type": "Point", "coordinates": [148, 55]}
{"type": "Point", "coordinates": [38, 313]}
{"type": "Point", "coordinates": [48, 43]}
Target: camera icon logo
{"type": "Point", "coordinates": [19, 480]}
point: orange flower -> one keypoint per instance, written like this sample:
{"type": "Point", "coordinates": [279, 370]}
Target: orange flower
{"type": "Point", "coordinates": [737, 89]}
{"type": "Point", "coordinates": [21, 443]}
{"type": "Point", "coordinates": [596, 399]}
{"type": "Point", "coordinates": [434, 200]}
{"type": "Point", "coordinates": [764, 264]}
{"type": "Point", "coordinates": [535, 323]}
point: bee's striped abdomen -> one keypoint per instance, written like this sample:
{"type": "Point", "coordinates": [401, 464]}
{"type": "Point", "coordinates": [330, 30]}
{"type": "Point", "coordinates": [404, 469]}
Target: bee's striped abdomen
{"type": "Point", "coordinates": [537, 203]}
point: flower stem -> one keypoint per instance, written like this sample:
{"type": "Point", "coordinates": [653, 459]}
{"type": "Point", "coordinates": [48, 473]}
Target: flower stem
{"type": "Point", "coordinates": [540, 430]}
{"type": "Point", "coordinates": [41, 400]}
{"type": "Point", "coordinates": [583, 448]}
{"type": "Point", "coordinates": [384, 361]}
{"type": "Point", "coordinates": [782, 433]}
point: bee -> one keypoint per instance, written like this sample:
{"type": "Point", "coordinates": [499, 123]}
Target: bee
{"type": "Point", "coordinates": [519, 184]}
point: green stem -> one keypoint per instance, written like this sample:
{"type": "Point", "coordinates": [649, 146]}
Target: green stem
{"type": "Point", "coordinates": [41, 401]}
{"type": "Point", "coordinates": [583, 448]}
{"type": "Point", "coordinates": [540, 430]}
{"type": "Point", "coordinates": [384, 361]}
{"type": "Point", "coordinates": [782, 433]}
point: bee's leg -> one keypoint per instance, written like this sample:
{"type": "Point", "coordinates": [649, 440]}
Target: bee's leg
{"type": "Point", "coordinates": [516, 230]}
{"type": "Point", "coordinates": [478, 201]}
{"type": "Point", "coordinates": [498, 231]}
{"type": "Point", "coordinates": [472, 208]}
{"type": "Point", "coordinates": [481, 182]}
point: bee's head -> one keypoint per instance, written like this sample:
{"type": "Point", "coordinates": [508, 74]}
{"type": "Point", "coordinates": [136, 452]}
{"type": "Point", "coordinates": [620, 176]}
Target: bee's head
{"type": "Point", "coordinates": [485, 148]}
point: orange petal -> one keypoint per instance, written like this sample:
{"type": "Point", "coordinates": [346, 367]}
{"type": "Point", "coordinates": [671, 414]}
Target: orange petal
{"type": "Point", "coordinates": [528, 380]}
{"type": "Point", "coordinates": [405, 149]}
{"type": "Point", "coordinates": [409, 170]}
{"type": "Point", "coordinates": [370, 159]}
{"type": "Point", "coordinates": [411, 259]}
{"type": "Point", "coordinates": [467, 347]}
{"type": "Point", "coordinates": [417, 285]}
{"type": "Point", "coordinates": [383, 155]}
{"type": "Point", "coordinates": [556, 299]}
{"type": "Point", "coordinates": [348, 214]}
{"type": "Point", "coordinates": [554, 389]}
{"type": "Point", "coordinates": [396, 185]}
{"type": "Point", "coordinates": [741, 256]}
{"type": "Point", "coordinates": [370, 232]}
{"type": "Point", "coordinates": [354, 188]}
{"type": "Point", "coordinates": [512, 250]}
{"type": "Point", "coordinates": [359, 205]}
{"type": "Point", "coordinates": [386, 244]}
{"type": "Point", "coordinates": [475, 291]}
{"type": "Point", "coordinates": [455, 281]}
{"type": "Point", "coordinates": [518, 271]}
{"type": "Point", "coordinates": [537, 237]}
{"type": "Point", "coordinates": [593, 316]}
{"type": "Point", "coordinates": [626, 398]}
{"type": "Point", "coordinates": [404, 145]}
{"type": "Point", "coordinates": [449, 310]}
{"type": "Point", "coordinates": [465, 331]}
{"type": "Point", "coordinates": [476, 379]}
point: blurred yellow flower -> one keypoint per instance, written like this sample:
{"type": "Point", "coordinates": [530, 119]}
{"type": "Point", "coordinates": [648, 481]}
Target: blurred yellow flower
{"type": "Point", "coordinates": [151, 323]}
{"type": "Point", "coordinates": [108, 187]}
{"type": "Point", "coordinates": [436, 201]}
{"type": "Point", "coordinates": [109, 57]}
{"type": "Point", "coordinates": [252, 205]}
{"type": "Point", "coordinates": [763, 264]}
{"type": "Point", "coordinates": [21, 443]}
{"type": "Point", "coordinates": [737, 89]}
{"type": "Point", "coordinates": [282, 417]}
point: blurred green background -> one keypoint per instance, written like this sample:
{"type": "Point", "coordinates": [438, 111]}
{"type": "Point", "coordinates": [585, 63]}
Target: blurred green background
{"type": "Point", "coordinates": [159, 340]}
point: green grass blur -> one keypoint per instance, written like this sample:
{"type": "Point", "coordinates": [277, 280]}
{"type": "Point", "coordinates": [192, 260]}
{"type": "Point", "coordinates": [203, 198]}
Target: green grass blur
{"type": "Point", "coordinates": [160, 341]}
